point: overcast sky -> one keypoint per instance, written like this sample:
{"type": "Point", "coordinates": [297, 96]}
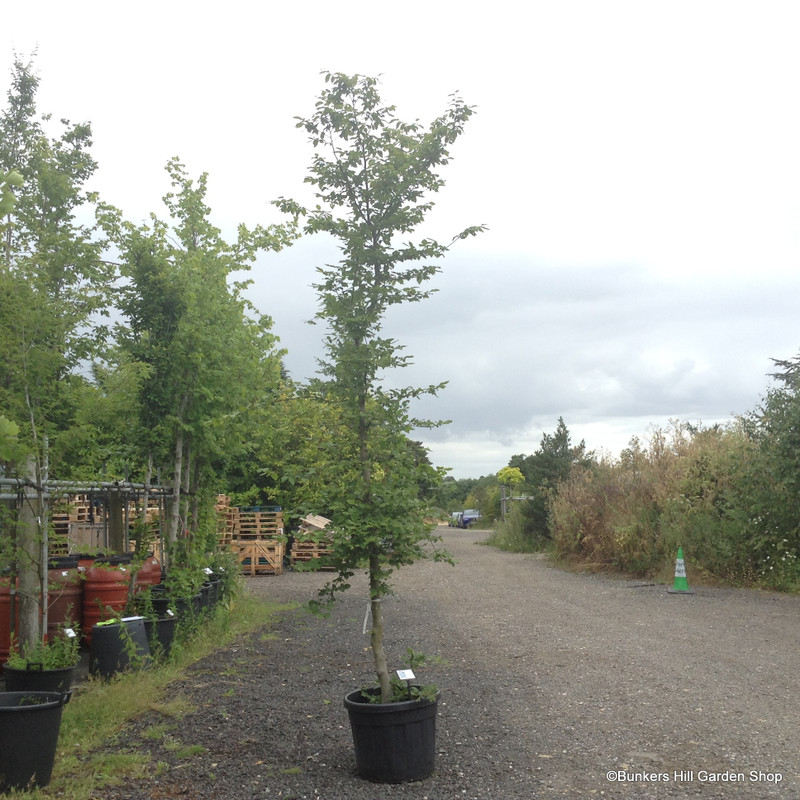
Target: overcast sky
{"type": "Point", "coordinates": [637, 165]}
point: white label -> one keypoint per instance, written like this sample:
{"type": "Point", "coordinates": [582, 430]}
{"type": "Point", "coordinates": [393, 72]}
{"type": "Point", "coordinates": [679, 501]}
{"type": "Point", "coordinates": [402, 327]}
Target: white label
{"type": "Point", "coordinates": [69, 633]}
{"type": "Point", "coordinates": [405, 674]}
{"type": "Point", "coordinates": [680, 569]}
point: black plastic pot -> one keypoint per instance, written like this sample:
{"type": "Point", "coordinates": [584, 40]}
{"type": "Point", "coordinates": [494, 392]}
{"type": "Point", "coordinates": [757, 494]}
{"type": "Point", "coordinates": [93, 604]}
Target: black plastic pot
{"type": "Point", "coordinates": [160, 635]}
{"type": "Point", "coordinates": [205, 596]}
{"type": "Point", "coordinates": [160, 603]}
{"type": "Point", "coordinates": [118, 647]}
{"type": "Point", "coordinates": [394, 742]}
{"type": "Point", "coordinates": [29, 725]}
{"type": "Point", "coordinates": [213, 595]}
{"type": "Point", "coordinates": [38, 680]}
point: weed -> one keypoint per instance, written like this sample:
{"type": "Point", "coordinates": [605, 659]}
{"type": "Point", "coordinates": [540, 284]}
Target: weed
{"type": "Point", "coordinates": [155, 732]}
{"type": "Point", "coordinates": [190, 750]}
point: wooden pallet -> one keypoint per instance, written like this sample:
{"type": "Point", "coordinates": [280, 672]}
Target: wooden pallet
{"type": "Point", "coordinates": [309, 558]}
{"type": "Point", "coordinates": [257, 524]}
{"type": "Point", "coordinates": [258, 556]}
{"type": "Point", "coordinates": [224, 513]}
{"type": "Point", "coordinates": [308, 546]}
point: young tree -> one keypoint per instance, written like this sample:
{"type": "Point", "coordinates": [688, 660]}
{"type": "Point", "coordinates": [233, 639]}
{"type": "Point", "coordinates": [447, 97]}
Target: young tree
{"type": "Point", "coordinates": [374, 176]}
{"type": "Point", "coordinates": [53, 281]}
{"type": "Point", "coordinates": [543, 471]}
{"type": "Point", "coordinates": [206, 355]}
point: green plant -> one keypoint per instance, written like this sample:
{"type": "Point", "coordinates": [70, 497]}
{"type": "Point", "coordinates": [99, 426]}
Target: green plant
{"type": "Point", "coordinates": [185, 574]}
{"type": "Point", "coordinates": [61, 652]}
{"type": "Point", "coordinates": [225, 569]}
{"type": "Point", "coordinates": [403, 690]}
{"type": "Point", "coordinates": [374, 177]}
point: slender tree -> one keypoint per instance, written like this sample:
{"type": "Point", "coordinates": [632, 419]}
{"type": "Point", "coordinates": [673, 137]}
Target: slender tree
{"type": "Point", "coordinates": [374, 176]}
{"type": "Point", "coordinates": [206, 355]}
{"type": "Point", "coordinates": [53, 283]}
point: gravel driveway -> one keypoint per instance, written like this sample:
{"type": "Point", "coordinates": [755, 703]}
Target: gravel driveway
{"type": "Point", "coordinates": [553, 685]}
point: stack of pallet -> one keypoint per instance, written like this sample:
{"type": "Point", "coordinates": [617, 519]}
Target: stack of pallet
{"type": "Point", "coordinates": [310, 544]}
{"type": "Point", "coordinates": [224, 512]}
{"type": "Point", "coordinates": [80, 508]}
{"type": "Point", "coordinates": [257, 539]}
{"type": "Point", "coordinates": [83, 525]}
{"type": "Point", "coordinates": [59, 543]}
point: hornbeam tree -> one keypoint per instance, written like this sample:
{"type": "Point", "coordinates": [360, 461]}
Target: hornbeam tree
{"type": "Point", "coordinates": [206, 355]}
{"type": "Point", "coordinates": [374, 177]}
{"type": "Point", "coordinates": [53, 283]}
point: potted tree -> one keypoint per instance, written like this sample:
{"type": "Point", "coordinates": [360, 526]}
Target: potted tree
{"type": "Point", "coordinates": [373, 177]}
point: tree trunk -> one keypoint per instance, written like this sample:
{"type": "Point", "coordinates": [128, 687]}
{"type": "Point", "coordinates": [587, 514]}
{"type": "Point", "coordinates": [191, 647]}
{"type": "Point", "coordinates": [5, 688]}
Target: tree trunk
{"type": "Point", "coordinates": [116, 529]}
{"type": "Point", "coordinates": [376, 636]}
{"type": "Point", "coordinates": [187, 482]}
{"type": "Point", "coordinates": [30, 563]}
{"type": "Point", "coordinates": [175, 509]}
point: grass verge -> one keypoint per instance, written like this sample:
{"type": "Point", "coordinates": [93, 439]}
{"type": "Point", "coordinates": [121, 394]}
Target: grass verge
{"type": "Point", "coordinates": [100, 709]}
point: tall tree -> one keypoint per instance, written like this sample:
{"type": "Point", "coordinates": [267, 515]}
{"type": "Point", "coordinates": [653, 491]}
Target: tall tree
{"type": "Point", "coordinates": [374, 176]}
{"type": "Point", "coordinates": [206, 354]}
{"type": "Point", "coordinates": [54, 280]}
{"type": "Point", "coordinates": [52, 284]}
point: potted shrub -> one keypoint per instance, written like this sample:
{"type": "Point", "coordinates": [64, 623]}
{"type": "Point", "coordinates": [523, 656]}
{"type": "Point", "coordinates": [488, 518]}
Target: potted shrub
{"type": "Point", "coordinates": [373, 177]}
{"type": "Point", "coordinates": [44, 666]}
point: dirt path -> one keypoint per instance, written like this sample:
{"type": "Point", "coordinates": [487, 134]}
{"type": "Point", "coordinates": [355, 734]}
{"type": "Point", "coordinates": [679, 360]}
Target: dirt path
{"type": "Point", "coordinates": [552, 682]}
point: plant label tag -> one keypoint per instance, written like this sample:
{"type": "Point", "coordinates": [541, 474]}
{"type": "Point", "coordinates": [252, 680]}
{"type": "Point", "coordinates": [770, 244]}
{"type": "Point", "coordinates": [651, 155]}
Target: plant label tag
{"type": "Point", "coordinates": [405, 674]}
{"type": "Point", "coordinates": [69, 633]}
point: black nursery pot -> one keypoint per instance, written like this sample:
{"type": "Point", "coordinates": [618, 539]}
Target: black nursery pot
{"type": "Point", "coordinates": [159, 599]}
{"type": "Point", "coordinates": [29, 725]}
{"type": "Point", "coordinates": [394, 742]}
{"type": "Point", "coordinates": [160, 635]}
{"type": "Point", "coordinates": [118, 647]}
{"type": "Point", "coordinates": [38, 680]}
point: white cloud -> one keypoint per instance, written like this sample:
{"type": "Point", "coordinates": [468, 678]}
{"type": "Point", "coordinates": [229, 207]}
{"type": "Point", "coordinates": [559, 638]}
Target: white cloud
{"type": "Point", "coordinates": [636, 163]}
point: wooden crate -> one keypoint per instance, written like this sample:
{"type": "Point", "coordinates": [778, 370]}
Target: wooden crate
{"type": "Point", "coordinates": [260, 556]}
{"type": "Point", "coordinates": [87, 536]}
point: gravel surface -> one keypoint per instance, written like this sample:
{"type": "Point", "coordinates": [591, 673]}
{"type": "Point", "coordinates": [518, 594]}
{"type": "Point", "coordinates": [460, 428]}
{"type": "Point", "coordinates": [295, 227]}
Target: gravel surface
{"type": "Point", "coordinates": [553, 685]}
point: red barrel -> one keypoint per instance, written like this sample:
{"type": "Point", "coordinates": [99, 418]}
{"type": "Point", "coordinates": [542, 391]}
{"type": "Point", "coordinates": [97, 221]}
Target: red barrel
{"type": "Point", "coordinates": [149, 573]}
{"type": "Point", "coordinates": [5, 619]}
{"type": "Point", "coordinates": [105, 592]}
{"type": "Point", "coordinates": [64, 594]}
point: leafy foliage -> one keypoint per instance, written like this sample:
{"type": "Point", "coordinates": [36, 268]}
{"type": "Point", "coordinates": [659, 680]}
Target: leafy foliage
{"type": "Point", "coordinates": [543, 471]}
{"type": "Point", "coordinates": [60, 652]}
{"type": "Point", "coordinates": [373, 176]}
{"type": "Point", "coordinates": [53, 280]}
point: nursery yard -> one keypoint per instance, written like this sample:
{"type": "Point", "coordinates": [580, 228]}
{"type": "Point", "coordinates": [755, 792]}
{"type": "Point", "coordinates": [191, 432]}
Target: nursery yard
{"type": "Point", "coordinates": [553, 685]}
